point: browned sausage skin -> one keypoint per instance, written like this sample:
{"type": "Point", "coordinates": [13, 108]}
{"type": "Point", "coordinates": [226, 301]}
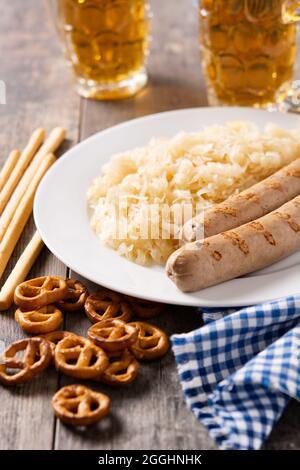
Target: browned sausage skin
{"type": "Point", "coordinates": [237, 252]}
{"type": "Point", "coordinates": [250, 204]}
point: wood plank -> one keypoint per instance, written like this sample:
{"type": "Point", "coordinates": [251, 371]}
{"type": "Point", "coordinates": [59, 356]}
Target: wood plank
{"type": "Point", "coordinates": [151, 414]}
{"type": "Point", "coordinates": [38, 94]}
{"type": "Point", "coordinates": [286, 433]}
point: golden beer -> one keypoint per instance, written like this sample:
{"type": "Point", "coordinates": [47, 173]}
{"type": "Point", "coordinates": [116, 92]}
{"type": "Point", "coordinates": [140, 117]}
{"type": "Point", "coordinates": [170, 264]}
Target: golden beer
{"type": "Point", "coordinates": [249, 50]}
{"type": "Point", "coordinates": [106, 42]}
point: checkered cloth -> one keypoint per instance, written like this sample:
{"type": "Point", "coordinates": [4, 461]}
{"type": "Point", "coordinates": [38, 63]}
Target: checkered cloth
{"type": "Point", "coordinates": [239, 371]}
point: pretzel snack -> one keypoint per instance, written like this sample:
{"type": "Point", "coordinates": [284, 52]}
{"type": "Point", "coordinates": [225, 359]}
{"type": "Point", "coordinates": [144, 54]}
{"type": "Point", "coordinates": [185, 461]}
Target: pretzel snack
{"type": "Point", "coordinates": [39, 292]}
{"type": "Point", "coordinates": [54, 337]}
{"type": "Point", "coordinates": [122, 370]}
{"type": "Point", "coordinates": [26, 156]}
{"type": "Point", "coordinates": [21, 216]}
{"type": "Point", "coordinates": [50, 145]}
{"type": "Point", "coordinates": [79, 357]}
{"type": "Point", "coordinates": [20, 271]}
{"type": "Point", "coordinates": [112, 335]}
{"type": "Point", "coordinates": [8, 167]}
{"type": "Point", "coordinates": [39, 321]}
{"type": "Point", "coordinates": [144, 308]}
{"type": "Point", "coordinates": [152, 342]}
{"type": "Point", "coordinates": [80, 406]}
{"type": "Point", "coordinates": [75, 298]}
{"type": "Point", "coordinates": [106, 304]}
{"type": "Point", "coordinates": [37, 356]}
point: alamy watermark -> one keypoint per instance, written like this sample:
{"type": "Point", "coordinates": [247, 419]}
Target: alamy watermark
{"type": "Point", "coordinates": [143, 221]}
{"type": "Point", "coordinates": [2, 92]}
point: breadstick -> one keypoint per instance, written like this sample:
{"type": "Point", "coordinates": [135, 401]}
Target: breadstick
{"type": "Point", "coordinates": [50, 145]}
{"type": "Point", "coordinates": [8, 167]}
{"type": "Point", "coordinates": [26, 156]}
{"type": "Point", "coordinates": [20, 271]}
{"type": "Point", "coordinates": [248, 205]}
{"type": "Point", "coordinates": [53, 141]}
{"type": "Point", "coordinates": [21, 215]}
{"type": "Point", "coordinates": [237, 252]}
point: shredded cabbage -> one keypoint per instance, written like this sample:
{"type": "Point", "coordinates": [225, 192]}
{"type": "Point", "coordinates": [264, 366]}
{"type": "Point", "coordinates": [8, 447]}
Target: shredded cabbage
{"type": "Point", "coordinates": [197, 169]}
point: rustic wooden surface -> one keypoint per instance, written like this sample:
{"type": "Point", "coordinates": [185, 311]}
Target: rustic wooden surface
{"type": "Point", "coordinates": [151, 414]}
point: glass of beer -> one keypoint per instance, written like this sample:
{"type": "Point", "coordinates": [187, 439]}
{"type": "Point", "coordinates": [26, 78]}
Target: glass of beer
{"type": "Point", "coordinates": [105, 43]}
{"type": "Point", "coordinates": [249, 50]}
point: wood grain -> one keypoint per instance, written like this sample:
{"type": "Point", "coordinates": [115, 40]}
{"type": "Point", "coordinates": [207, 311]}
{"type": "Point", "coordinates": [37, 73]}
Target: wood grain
{"type": "Point", "coordinates": [151, 413]}
{"type": "Point", "coordinates": [38, 94]}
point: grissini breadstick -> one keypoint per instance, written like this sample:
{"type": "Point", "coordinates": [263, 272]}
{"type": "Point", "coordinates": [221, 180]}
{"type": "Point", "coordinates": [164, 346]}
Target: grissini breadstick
{"type": "Point", "coordinates": [34, 143]}
{"type": "Point", "coordinates": [53, 141]}
{"type": "Point", "coordinates": [22, 214]}
{"type": "Point", "coordinates": [8, 167]}
{"type": "Point", "coordinates": [237, 252]}
{"type": "Point", "coordinates": [50, 145]}
{"type": "Point", "coordinates": [20, 271]}
{"type": "Point", "coordinates": [250, 204]}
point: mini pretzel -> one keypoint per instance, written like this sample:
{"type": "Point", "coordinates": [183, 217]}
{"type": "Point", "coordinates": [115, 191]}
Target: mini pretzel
{"type": "Point", "coordinates": [37, 356]}
{"type": "Point", "coordinates": [152, 342]}
{"type": "Point", "coordinates": [79, 405]}
{"type": "Point", "coordinates": [122, 370]}
{"type": "Point", "coordinates": [78, 357]}
{"type": "Point", "coordinates": [106, 304]}
{"type": "Point", "coordinates": [41, 320]}
{"type": "Point", "coordinates": [112, 335]}
{"type": "Point", "coordinates": [75, 298]}
{"type": "Point", "coordinates": [55, 336]}
{"type": "Point", "coordinates": [40, 291]}
{"type": "Point", "coordinates": [145, 308]}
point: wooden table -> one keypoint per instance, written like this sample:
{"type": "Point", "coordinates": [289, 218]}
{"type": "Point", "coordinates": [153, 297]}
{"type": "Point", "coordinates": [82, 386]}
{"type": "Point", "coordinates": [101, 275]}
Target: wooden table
{"type": "Point", "coordinates": [151, 414]}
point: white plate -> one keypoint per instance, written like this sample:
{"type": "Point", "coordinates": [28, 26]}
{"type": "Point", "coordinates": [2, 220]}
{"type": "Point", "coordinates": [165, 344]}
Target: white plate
{"type": "Point", "coordinates": [61, 215]}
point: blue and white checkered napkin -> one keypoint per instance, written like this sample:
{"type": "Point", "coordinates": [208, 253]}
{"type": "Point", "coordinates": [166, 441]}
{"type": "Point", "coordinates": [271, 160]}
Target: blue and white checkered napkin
{"type": "Point", "coordinates": [239, 371]}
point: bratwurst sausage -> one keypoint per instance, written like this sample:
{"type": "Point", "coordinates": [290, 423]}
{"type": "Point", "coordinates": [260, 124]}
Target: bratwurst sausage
{"type": "Point", "coordinates": [250, 204]}
{"type": "Point", "coordinates": [231, 254]}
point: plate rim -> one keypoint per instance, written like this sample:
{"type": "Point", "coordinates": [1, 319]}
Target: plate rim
{"type": "Point", "coordinates": [116, 127]}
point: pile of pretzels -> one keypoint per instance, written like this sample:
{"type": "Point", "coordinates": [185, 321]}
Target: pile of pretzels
{"type": "Point", "coordinates": [109, 354]}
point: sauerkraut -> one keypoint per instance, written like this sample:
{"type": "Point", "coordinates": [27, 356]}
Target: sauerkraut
{"type": "Point", "coordinates": [193, 170]}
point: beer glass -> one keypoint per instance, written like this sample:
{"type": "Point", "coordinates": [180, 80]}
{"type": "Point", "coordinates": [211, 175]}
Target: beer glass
{"type": "Point", "coordinates": [105, 43]}
{"type": "Point", "coordinates": [249, 50]}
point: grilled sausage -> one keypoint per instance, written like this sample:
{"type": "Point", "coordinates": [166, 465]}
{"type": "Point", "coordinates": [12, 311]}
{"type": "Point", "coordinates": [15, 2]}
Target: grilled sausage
{"type": "Point", "coordinates": [250, 204]}
{"type": "Point", "coordinates": [237, 252]}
